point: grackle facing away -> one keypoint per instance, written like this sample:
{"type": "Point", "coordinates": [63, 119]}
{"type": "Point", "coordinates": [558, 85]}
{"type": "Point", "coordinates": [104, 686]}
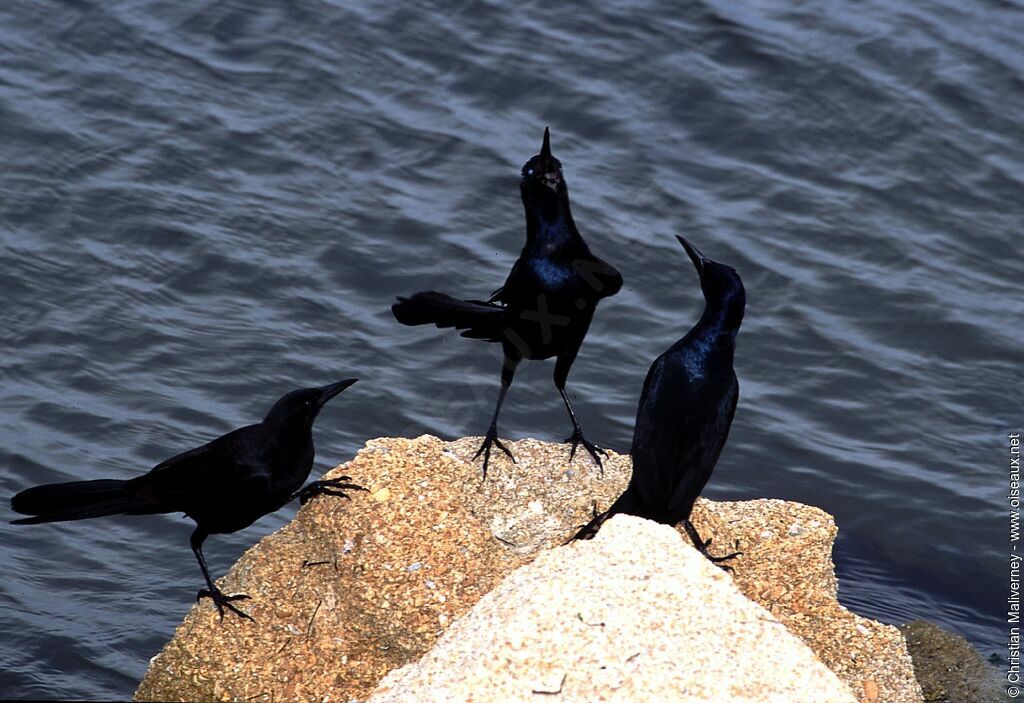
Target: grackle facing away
{"type": "Point", "coordinates": [224, 486]}
{"type": "Point", "coordinates": [686, 408]}
{"type": "Point", "coordinates": [545, 307]}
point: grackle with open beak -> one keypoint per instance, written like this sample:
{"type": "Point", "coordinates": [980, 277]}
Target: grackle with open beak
{"type": "Point", "coordinates": [548, 300]}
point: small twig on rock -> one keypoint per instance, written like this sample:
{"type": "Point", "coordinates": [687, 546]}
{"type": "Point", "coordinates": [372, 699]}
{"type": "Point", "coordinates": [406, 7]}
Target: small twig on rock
{"type": "Point", "coordinates": [309, 627]}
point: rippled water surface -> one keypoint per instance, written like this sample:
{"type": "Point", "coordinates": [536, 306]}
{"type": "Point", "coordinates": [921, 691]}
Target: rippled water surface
{"type": "Point", "coordinates": [207, 204]}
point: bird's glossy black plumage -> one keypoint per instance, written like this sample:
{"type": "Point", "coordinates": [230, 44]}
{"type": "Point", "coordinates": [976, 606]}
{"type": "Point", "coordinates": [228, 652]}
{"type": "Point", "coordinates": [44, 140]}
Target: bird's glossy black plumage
{"type": "Point", "coordinates": [548, 300]}
{"type": "Point", "coordinates": [686, 408]}
{"type": "Point", "coordinates": [225, 485]}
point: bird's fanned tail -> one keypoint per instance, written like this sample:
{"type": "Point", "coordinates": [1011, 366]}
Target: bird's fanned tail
{"type": "Point", "coordinates": [76, 500]}
{"type": "Point", "coordinates": [477, 319]}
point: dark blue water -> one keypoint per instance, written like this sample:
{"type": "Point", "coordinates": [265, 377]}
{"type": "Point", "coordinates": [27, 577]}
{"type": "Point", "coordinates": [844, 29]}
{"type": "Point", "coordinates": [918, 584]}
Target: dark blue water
{"type": "Point", "coordinates": [203, 205]}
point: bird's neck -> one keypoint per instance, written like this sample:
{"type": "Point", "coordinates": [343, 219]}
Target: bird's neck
{"type": "Point", "coordinates": [549, 225]}
{"type": "Point", "coordinates": [293, 436]}
{"type": "Point", "coordinates": [715, 330]}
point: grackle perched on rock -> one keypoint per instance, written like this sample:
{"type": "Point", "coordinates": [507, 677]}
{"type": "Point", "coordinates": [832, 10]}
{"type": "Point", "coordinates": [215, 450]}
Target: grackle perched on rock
{"type": "Point", "coordinates": [686, 408]}
{"type": "Point", "coordinates": [225, 485]}
{"type": "Point", "coordinates": [548, 300]}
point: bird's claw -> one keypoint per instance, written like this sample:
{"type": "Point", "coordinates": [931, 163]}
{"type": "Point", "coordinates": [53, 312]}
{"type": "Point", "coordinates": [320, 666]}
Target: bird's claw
{"type": "Point", "coordinates": [223, 601]}
{"type": "Point", "coordinates": [485, 448]}
{"type": "Point", "coordinates": [702, 546]}
{"type": "Point", "coordinates": [329, 487]}
{"type": "Point", "coordinates": [595, 451]}
{"type": "Point", "coordinates": [717, 561]}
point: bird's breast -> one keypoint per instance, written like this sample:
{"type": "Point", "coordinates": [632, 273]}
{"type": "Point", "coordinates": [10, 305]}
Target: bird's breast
{"type": "Point", "coordinates": [549, 273]}
{"type": "Point", "coordinates": [694, 359]}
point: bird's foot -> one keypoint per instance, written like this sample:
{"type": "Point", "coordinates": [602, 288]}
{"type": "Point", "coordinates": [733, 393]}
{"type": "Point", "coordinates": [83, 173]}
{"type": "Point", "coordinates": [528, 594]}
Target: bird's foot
{"type": "Point", "coordinates": [703, 544]}
{"type": "Point", "coordinates": [595, 451]}
{"type": "Point", "coordinates": [329, 487]}
{"type": "Point", "coordinates": [485, 448]}
{"type": "Point", "coordinates": [702, 547]}
{"type": "Point", "coordinates": [223, 601]}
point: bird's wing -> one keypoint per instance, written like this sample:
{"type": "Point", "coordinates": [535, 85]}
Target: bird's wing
{"type": "Point", "coordinates": [674, 444]}
{"type": "Point", "coordinates": [705, 440]}
{"type": "Point", "coordinates": [654, 446]}
{"type": "Point", "coordinates": [601, 276]}
{"type": "Point", "coordinates": [513, 284]}
{"type": "Point", "coordinates": [496, 296]}
{"type": "Point", "coordinates": [228, 461]}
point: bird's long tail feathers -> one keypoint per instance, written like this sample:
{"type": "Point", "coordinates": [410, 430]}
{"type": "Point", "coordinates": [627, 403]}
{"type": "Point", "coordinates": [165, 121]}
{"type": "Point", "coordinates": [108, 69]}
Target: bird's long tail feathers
{"type": "Point", "coordinates": [76, 500]}
{"type": "Point", "coordinates": [622, 504]}
{"type": "Point", "coordinates": [477, 319]}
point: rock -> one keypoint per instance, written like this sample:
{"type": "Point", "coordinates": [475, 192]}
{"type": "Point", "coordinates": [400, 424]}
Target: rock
{"type": "Point", "coordinates": [949, 669]}
{"type": "Point", "coordinates": [339, 575]}
{"type": "Point", "coordinates": [637, 614]}
{"type": "Point", "coordinates": [790, 572]}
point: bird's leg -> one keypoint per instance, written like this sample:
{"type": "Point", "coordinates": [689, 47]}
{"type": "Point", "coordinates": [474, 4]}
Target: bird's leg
{"type": "Point", "coordinates": [329, 487]}
{"type": "Point", "coordinates": [577, 438]}
{"type": "Point", "coordinates": [211, 591]}
{"type": "Point", "coordinates": [507, 371]}
{"type": "Point", "coordinates": [702, 547]}
{"type": "Point", "coordinates": [589, 531]}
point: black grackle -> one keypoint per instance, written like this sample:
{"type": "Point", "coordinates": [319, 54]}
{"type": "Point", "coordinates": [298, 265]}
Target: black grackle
{"type": "Point", "coordinates": [686, 407]}
{"type": "Point", "coordinates": [546, 305]}
{"type": "Point", "coordinates": [225, 485]}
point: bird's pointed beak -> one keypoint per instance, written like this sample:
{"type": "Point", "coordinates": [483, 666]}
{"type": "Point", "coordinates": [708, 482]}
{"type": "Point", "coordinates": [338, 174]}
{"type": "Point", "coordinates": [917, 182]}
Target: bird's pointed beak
{"type": "Point", "coordinates": [696, 257]}
{"type": "Point", "coordinates": [545, 148]}
{"type": "Point", "coordinates": [333, 389]}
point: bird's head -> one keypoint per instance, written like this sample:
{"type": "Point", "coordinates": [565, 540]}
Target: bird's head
{"type": "Point", "coordinates": [301, 407]}
{"type": "Point", "coordinates": [543, 173]}
{"type": "Point", "coordinates": [722, 286]}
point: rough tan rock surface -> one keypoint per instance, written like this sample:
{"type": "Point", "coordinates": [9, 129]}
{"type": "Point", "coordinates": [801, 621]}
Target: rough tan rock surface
{"type": "Point", "coordinates": [353, 589]}
{"type": "Point", "coordinates": [787, 568]}
{"type": "Point", "coordinates": [634, 615]}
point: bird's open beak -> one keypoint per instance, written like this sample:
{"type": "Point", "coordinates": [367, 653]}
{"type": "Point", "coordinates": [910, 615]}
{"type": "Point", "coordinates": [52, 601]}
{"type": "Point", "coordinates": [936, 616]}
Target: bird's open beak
{"type": "Point", "coordinates": [696, 257]}
{"type": "Point", "coordinates": [551, 178]}
{"type": "Point", "coordinates": [333, 389]}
